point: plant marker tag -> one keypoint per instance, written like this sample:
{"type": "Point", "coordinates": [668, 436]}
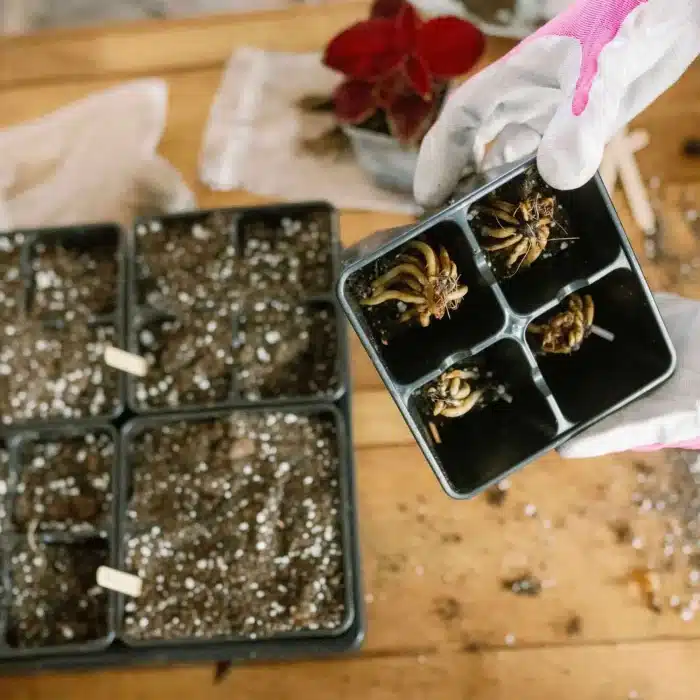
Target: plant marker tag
{"type": "Point", "coordinates": [119, 581]}
{"type": "Point", "coordinates": [602, 333]}
{"type": "Point", "coordinates": [125, 361]}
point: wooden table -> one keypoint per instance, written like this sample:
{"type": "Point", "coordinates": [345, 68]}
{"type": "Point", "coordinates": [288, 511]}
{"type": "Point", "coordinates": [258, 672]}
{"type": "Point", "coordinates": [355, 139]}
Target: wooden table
{"type": "Point", "coordinates": [440, 624]}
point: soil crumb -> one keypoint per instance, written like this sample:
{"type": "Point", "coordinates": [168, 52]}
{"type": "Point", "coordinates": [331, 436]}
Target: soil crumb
{"type": "Point", "coordinates": [448, 609]}
{"type": "Point", "coordinates": [526, 585]}
{"type": "Point", "coordinates": [573, 626]}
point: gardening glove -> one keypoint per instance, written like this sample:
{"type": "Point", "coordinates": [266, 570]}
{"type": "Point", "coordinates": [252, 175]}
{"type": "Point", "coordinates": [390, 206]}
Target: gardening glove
{"type": "Point", "coordinates": [564, 91]}
{"type": "Point", "coordinates": [669, 416]}
{"type": "Point", "coordinates": [91, 161]}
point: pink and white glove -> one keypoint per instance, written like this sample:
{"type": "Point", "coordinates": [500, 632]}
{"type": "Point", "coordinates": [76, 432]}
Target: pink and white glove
{"type": "Point", "coordinates": [564, 92]}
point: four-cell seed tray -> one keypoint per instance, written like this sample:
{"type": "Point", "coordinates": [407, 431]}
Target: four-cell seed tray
{"type": "Point", "coordinates": [506, 323]}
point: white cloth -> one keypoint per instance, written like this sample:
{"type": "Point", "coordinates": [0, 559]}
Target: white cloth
{"type": "Point", "coordinates": [668, 416]}
{"type": "Point", "coordinates": [253, 135]}
{"type": "Point", "coordinates": [92, 161]}
{"type": "Point", "coordinates": [564, 92]}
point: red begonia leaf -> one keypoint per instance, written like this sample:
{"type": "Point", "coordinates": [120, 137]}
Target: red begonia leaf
{"type": "Point", "coordinates": [386, 8]}
{"type": "Point", "coordinates": [390, 86]}
{"type": "Point", "coordinates": [366, 50]}
{"type": "Point", "coordinates": [418, 76]}
{"type": "Point", "coordinates": [449, 46]}
{"type": "Point", "coordinates": [354, 101]}
{"type": "Point", "coordinates": [409, 117]}
{"type": "Point", "coordinates": [408, 24]}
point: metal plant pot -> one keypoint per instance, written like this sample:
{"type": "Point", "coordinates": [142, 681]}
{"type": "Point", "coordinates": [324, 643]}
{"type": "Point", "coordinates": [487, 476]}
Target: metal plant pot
{"type": "Point", "coordinates": [390, 164]}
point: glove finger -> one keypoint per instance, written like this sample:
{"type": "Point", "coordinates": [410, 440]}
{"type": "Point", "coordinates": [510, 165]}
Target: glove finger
{"type": "Point", "coordinates": [446, 151]}
{"type": "Point", "coordinates": [587, 118]}
{"type": "Point", "coordinates": [513, 143]}
{"type": "Point", "coordinates": [528, 106]}
{"type": "Point", "coordinates": [572, 146]}
{"type": "Point", "coordinates": [459, 137]}
{"type": "Point", "coordinates": [517, 89]}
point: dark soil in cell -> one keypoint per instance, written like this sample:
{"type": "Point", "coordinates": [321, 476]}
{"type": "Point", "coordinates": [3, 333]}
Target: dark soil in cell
{"type": "Point", "coordinates": [288, 255]}
{"type": "Point", "coordinates": [56, 373]}
{"type": "Point", "coordinates": [65, 486]}
{"type": "Point", "coordinates": [186, 263]}
{"type": "Point", "coordinates": [11, 286]}
{"type": "Point", "coordinates": [229, 293]}
{"type": "Point", "coordinates": [234, 528]}
{"type": "Point", "coordinates": [70, 283]}
{"type": "Point", "coordinates": [190, 362]}
{"type": "Point", "coordinates": [54, 597]}
{"type": "Point", "coordinates": [286, 350]}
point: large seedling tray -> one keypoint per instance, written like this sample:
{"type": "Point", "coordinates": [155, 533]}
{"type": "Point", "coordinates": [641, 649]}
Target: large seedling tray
{"type": "Point", "coordinates": [480, 386]}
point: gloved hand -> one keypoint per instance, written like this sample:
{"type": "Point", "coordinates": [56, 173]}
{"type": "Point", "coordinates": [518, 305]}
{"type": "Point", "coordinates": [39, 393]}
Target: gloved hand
{"type": "Point", "coordinates": [564, 91]}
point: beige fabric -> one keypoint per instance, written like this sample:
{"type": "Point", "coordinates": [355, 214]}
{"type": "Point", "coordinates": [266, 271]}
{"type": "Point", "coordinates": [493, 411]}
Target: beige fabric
{"type": "Point", "coordinates": [253, 136]}
{"type": "Point", "coordinates": [92, 161]}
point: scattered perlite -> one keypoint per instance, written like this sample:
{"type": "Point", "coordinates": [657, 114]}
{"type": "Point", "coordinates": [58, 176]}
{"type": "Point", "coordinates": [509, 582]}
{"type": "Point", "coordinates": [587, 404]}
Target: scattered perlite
{"type": "Point", "coordinates": [54, 599]}
{"type": "Point", "coordinates": [65, 486]}
{"type": "Point", "coordinates": [214, 526]}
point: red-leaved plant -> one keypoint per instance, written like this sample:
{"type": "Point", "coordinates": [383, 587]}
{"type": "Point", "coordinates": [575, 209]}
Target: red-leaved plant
{"type": "Point", "coordinates": [398, 66]}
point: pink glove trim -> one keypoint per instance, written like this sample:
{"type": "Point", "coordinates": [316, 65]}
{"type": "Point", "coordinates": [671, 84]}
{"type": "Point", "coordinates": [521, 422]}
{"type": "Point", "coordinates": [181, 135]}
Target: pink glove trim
{"type": "Point", "coordinates": [686, 445]}
{"type": "Point", "coordinates": [594, 23]}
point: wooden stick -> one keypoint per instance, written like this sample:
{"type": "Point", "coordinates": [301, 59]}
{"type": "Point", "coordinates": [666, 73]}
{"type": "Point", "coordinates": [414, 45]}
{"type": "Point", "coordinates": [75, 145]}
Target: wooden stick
{"type": "Point", "coordinates": [602, 333]}
{"type": "Point", "coordinates": [621, 156]}
{"type": "Point", "coordinates": [635, 141]}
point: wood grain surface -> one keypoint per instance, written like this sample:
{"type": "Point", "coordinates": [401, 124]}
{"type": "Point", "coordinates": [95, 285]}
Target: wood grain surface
{"type": "Point", "coordinates": [440, 621]}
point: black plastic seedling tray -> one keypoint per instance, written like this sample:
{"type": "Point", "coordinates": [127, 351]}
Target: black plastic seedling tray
{"type": "Point", "coordinates": [542, 400]}
{"type": "Point", "coordinates": [323, 392]}
{"type": "Point", "coordinates": [41, 543]}
{"type": "Point", "coordinates": [116, 646]}
{"type": "Point", "coordinates": [50, 319]}
{"type": "Point", "coordinates": [233, 297]}
{"type": "Point", "coordinates": [249, 487]}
